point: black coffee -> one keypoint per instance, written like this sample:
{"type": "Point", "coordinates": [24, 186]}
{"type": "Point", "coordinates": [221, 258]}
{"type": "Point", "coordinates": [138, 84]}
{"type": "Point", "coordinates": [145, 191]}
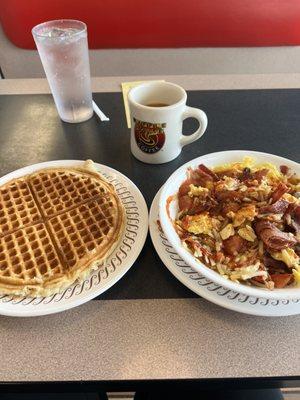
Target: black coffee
{"type": "Point", "coordinates": [157, 105]}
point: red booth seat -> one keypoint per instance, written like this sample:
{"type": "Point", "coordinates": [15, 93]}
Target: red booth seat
{"type": "Point", "coordinates": [161, 23]}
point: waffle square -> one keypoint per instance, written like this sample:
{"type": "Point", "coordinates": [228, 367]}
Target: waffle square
{"type": "Point", "coordinates": [27, 255]}
{"type": "Point", "coordinates": [60, 190]}
{"type": "Point", "coordinates": [17, 207]}
{"type": "Point", "coordinates": [86, 230]}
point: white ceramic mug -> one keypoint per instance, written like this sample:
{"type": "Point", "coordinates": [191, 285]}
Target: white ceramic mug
{"type": "Point", "coordinates": [157, 111]}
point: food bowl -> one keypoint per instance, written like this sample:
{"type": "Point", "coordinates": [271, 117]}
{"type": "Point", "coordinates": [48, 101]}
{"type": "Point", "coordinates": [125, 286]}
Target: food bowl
{"type": "Point", "coordinates": [168, 207]}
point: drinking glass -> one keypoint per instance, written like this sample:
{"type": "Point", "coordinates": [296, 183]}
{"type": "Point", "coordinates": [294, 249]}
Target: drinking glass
{"type": "Point", "coordinates": [63, 49]}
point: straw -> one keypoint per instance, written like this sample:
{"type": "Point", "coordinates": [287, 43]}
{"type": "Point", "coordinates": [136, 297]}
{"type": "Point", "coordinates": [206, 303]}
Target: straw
{"type": "Point", "coordinates": [100, 114]}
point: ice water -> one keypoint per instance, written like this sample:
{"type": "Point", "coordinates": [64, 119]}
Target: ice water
{"type": "Point", "coordinates": [64, 54]}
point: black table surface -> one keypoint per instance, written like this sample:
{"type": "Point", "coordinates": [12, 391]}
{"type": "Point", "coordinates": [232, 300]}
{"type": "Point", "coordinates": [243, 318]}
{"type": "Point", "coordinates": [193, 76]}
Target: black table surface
{"type": "Point", "coordinates": [31, 132]}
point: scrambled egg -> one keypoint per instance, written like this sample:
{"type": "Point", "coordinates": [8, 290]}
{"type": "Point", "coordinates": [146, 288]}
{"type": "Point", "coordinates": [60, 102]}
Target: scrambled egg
{"type": "Point", "coordinates": [201, 223]}
{"type": "Point", "coordinates": [264, 187]}
{"type": "Point", "coordinates": [288, 256]}
{"type": "Point", "coordinates": [227, 231]}
{"type": "Point", "coordinates": [243, 273]}
{"type": "Point", "coordinates": [247, 233]}
{"type": "Point", "coordinates": [245, 213]}
{"type": "Point", "coordinates": [198, 191]}
{"type": "Point", "coordinates": [291, 199]}
{"type": "Point", "coordinates": [273, 171]}
{"type": "Point", "coordinates": [249, 162]}
{"type": "Point", "coordinates": [227, 183]}
{"type": "Point", "coordinates": [291, 259]}
{"type": "Point", "coordinates": [296, 274]}
{"type": "Point", "coordinates": [248, 272]}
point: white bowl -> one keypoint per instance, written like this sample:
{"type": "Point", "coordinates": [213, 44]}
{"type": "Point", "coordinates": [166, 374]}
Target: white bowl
{"type": "Point", "coordinates": [171, 187]}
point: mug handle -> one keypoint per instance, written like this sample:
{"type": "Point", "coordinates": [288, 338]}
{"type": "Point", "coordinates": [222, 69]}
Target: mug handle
{"type": "Point", "coordinates": [191, 112]}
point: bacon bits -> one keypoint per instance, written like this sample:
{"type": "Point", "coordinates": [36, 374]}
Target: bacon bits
{"type": "Point", "coordinates": [284, 169]}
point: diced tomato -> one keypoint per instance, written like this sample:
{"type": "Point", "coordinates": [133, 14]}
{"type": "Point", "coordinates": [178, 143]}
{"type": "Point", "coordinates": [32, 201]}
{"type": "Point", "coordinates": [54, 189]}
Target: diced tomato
{"type": "Point", "coordinates": [234, 244]}
{"type": "Point", "coordinates": [281, 280]}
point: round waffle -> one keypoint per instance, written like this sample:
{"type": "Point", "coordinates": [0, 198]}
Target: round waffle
{"type": "Point", "coordinates": [56, 225]}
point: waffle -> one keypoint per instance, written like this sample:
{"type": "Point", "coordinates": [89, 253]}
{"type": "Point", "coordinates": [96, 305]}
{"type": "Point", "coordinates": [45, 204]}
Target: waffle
{"type": "Point", "coordinates": [56, 225]}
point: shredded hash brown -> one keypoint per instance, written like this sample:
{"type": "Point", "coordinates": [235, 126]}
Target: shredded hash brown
{"type": "Point", "coordinates": [243, 221]}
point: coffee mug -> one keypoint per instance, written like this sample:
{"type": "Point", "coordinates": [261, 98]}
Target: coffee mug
{"type": "Point", "coordinates": [157, 112]}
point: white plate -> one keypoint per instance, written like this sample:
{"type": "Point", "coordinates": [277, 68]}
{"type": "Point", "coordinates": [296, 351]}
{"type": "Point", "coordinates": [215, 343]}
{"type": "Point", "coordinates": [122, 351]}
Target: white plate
{"type": "Point", "coordinates": [118, 263]}
{"type": "Point", "coordinates": [171, 187]}
{"type": "Point", "coordinates": [207, 289]}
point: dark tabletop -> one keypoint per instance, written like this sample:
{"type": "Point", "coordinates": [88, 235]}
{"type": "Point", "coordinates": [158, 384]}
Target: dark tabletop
{"type": "Point", "coordinates": [31, 132]}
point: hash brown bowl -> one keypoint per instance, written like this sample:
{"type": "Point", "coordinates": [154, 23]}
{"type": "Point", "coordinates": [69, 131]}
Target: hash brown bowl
{"type": "Point", "coordinates": [168, 212]}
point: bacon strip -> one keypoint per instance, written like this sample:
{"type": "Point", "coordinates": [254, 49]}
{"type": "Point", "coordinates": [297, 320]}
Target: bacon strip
{"type": "Point", "coordinates": [294, 221]}
{"type": "Point", "coordinates": [295, 224]}
{"type": "Point", "coordinates": [279, 207]}
{"type": "Point", "coordinates": [234, 244]}
{"type": "Point", "coordinates": [297, 214]}
{"type": "Point", "coordinates": [281, 280]}
{"type": "Point", "coordinates": [228, 195]}
{"type": "Point", "coordinates": [193, 205]}
{"type": "Point", "coordinates": [185, 187]}
{"type": "Point", "coordinates": [279, 192]}
{"type": "Point", "coordinates": [229, 206]}
{"type": "Point", "coordinates": [185, 202]}
{"type": "Point", "coordinates": [273, 237]}
{"type": "Point", "coordinates": [199, 178]}
{"type": "Point", "coordinates": [207, 171]}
